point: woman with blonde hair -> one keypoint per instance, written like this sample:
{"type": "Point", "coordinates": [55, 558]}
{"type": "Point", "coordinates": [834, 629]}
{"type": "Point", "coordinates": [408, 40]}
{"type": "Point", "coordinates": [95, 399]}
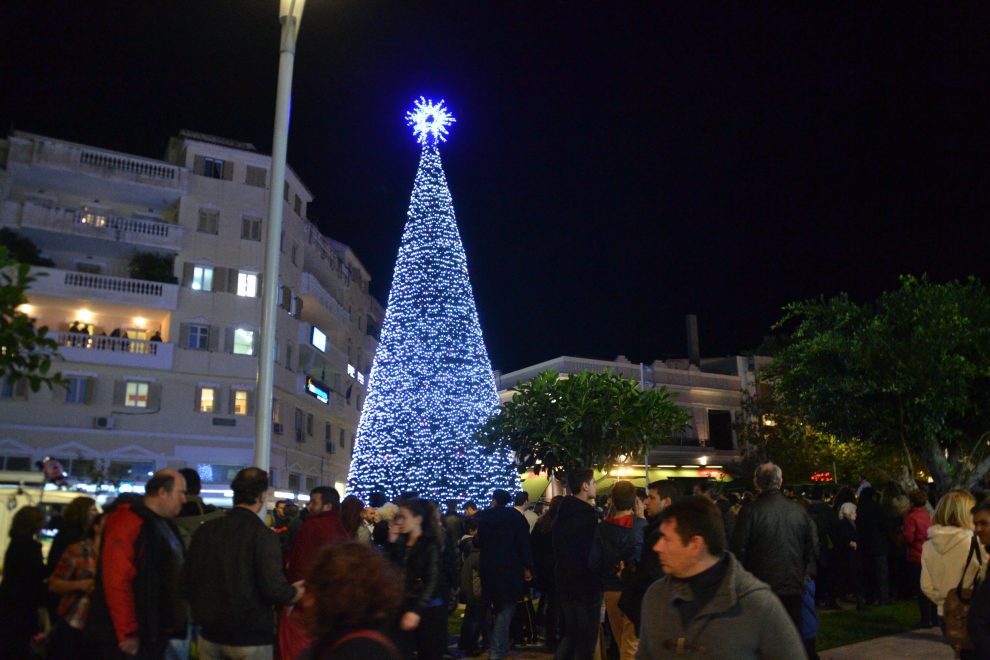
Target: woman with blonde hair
{"type": "Point", "coordinates": [944, 555]}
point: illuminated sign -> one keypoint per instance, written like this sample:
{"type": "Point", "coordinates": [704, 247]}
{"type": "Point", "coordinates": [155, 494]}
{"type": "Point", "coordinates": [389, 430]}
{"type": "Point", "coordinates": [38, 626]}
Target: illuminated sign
{"type": "Point", "coordinates": [318, 338]}
{"type": "Point", "coordinates": [318, 390]}
{"type": "Point", "coordinates": [351, 371]}
{"type": "Point", "coordinates": [361, 378]}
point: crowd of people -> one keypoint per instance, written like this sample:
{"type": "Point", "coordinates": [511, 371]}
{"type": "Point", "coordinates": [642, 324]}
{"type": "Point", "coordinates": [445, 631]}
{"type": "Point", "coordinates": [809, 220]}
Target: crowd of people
{"type": "Point", "coordinates": [639, 573]}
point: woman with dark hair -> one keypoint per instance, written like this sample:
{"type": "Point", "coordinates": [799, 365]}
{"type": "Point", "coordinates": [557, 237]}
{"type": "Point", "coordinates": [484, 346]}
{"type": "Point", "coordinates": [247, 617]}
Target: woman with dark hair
{"type": "Point", "coordinates": [77, 516]}
{"type": "Point", "coordinates": [915, 533]}
{"type": "Point", "coordinates": [352, 515]}
{"type": "Point", "coordinates": [352, 595]}
{"type": "Point", "coordinates": [541, 543]}
{"type": "Point", "coordinates": [414, 546]}
{"type": "Point", "coordinates": [74, 580]}
{"type": "Point", "coordinates": [22, 590]}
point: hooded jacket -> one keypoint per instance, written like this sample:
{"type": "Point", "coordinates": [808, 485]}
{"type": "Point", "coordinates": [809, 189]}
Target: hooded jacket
{"type": "Point", "coordinates": [942, 560]}
{"type": "Point", "coordinates": [616, 540]}
{"type": "Point", "coordinates": [915, 532]}
{"type": "Point", "coordinates": [743, 620]}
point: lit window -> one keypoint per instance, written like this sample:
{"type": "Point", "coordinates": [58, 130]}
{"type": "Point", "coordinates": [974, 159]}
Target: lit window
{"type": "Point", "coordinates": [202, 278]}
{"type": "Point", "coordinates": [136, 395]}
{"type": "Point", "coordinates": [207, 399]}
{"type": "Point", "coordinates": [92, 219]}
{"type": "Point", "coordinates": [240, 402]}
{"type": "Point", "coordinates": [199, 337]}
{"type": "Point", "coordinates": [243, 342]}
{"type": "Point", "coordinates": [247, 284]}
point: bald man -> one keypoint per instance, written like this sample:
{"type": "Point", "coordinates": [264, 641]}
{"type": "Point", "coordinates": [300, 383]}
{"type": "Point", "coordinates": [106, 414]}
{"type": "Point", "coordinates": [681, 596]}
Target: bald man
{"type": "Point", "coordinates": [135, 608]}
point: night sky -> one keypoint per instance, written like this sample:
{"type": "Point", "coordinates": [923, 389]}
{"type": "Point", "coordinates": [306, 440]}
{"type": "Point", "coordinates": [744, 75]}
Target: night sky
{"type": "Point", "coordinates": [614, 165]}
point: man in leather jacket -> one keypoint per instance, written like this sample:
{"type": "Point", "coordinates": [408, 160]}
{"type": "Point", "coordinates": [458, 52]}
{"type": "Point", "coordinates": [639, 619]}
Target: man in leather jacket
{"type": "Point", "coordinates": [775, 540]}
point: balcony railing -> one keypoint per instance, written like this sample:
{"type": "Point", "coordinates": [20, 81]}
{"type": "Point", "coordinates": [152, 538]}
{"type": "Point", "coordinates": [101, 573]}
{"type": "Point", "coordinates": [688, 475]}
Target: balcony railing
{"type": "Point", "coordinates": [118, 351]}
{"type": "Point", "coordinates": [89, 222]}
{"type": "Point", "coordinates": [66, 155]}
{"type": "Point", "coordinates": [127, 291]}
{"type": "Point", "coordinates": [310, 286]}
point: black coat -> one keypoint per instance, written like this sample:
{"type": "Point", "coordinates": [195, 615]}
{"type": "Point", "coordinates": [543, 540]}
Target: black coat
{"type": "Point", "coordinates": [979, 619]}
{"type": "Point", "coordinates": [541, 543]}
{"type": "Point", "coordinates": [503, 537]}
{"type": "Point", "coordinates": [647, 571]}
{"type": "Point", "coordinates": [774, 541]}
{"type": "Point", "coordinates": [420, 564]}
{"type": "Point", "coordinates": [872, 528]}
{"type": "Point", "coordinates": [573, 533]}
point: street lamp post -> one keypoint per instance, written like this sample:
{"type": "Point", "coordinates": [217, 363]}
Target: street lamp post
{"type": "Point", "coordinates": [290, 15]}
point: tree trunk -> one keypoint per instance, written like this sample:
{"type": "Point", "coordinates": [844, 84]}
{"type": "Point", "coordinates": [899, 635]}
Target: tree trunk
{"type": "Point", "coordinates": [938, 467]}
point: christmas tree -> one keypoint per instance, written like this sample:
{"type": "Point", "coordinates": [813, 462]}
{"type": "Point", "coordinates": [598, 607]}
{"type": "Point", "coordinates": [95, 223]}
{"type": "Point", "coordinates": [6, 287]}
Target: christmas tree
{"type": "Point", "coordinates": [431, 384]}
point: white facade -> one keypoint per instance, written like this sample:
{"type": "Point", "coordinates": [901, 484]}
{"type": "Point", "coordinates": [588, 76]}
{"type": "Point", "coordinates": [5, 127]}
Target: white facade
{"type": "Point", "coordinates": [135, 404]}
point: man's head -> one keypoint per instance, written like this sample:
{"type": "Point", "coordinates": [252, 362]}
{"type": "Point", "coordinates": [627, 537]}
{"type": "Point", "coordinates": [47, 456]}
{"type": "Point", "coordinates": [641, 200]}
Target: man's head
{"type": "Point", "coordinates": [521, 499]}
{"type": "Point", "coordinates": [470, 508]}
{"type": "Point", "coordinates": [193, 483]}
{"type": "Point", "coordinates": [323, 498]}
{"type": "Point", "coordinates": [581, 483]}
{"type": "Point", "coordinates": [471, 526]}
{"type": "Point", "coordinates": [661, 494]}
{"type": "Point", "coordinates": [451, 507]}
{"type": "Point", "coordinates": [280, 507]}
{"type": "Point", "coordinates": [768, 477]}
{"type": "Point", "coordinates": [250, 487]}
{"type": "Point", "coordinates": [706, 489]}
{"type": "Point", "coordinates": [500, 498]}
{"type": "Point", "coordinates": [623, 496]}
{"type": "Point", "coordinates": [692, 536]}
{"type": "Point", "coordinates": [165, 493]}
{"type": "Point", "coordinates": [981, 522]}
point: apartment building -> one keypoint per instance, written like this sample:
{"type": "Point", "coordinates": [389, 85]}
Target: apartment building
{"type": "Point", "coordinates": [710, 390]}
{"type": "Point", "coordinates": [152, 289]}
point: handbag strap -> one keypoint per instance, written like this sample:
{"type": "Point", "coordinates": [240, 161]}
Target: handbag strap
{"type": "Point", "coordinates": [365, 634]}
{"type": "Point", "coordinates": [974, 546]}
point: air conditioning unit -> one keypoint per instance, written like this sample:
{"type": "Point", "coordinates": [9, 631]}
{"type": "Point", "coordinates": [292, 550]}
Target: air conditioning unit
{"type": "Point", "coordinates": [104, 422]}
{"type": "Point", "coordinates": [278, 428]}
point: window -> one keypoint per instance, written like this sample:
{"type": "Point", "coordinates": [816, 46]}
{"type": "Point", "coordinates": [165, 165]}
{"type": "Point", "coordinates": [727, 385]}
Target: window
{"type": "Point", "coordinates": [293, 481]}
{"type": "Point", "coordinates": [16, 463]}
{"type": "Point", "coordinates": [209, 221]}
{"type": "Point", "coordinates": [243, 342]}
{"type": "Point", "coordinates": [247, 284]}
{"type": "Point", "coordinates": [241, 398]}
{"type": "Point", "coordinates": [311, 483]}
{"type": "Point", "coordinates": [250, 228]}
{"type": "Point", "coordinates": [309, 424]}
{"type": "Point", "coordinates": [202, 279]}
{"type": "Point", "coordinates": [93, 218]}
{"type": "Point", "coordinates": [124, 471]}
{"type": "Point", "coordinates": [328, 432]}
{"type": "Point", "coordinates": [213, 168]}
{"type": "Point", "coordinates": [77, 389]}
{"type": "Point", "coordinates": [298, 420]}
{"type": "Point", "coordinates": [207, 399]}
{"type": "Point", "coordinates": [11, 390]}
{"type": "Point", "coordinates": [342, 441]}
{"type": "Point", "coordinates": [136, 395]}
{"type": "Point", "coordinates": [285, 191]}
{"type": "Point", "coordinates": [295, 254]}
{"type": "Point", "coordinates": [276, 411]}
{"type": "Point", "coordinates": [297, 206]}
{"type": "Point", "coordinates": [256, 176]}
{"type": "Point", "coordinates": [199, 337]}
{"type": "Point", "coordinates": [288, 356]}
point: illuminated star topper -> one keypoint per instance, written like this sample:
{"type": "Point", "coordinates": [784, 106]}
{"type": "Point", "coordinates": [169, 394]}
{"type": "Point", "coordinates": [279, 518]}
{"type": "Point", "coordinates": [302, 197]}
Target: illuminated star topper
{"type": "Point", "coordinates": [429, 121]}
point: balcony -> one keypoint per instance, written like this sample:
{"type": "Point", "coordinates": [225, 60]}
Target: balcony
{"type": "Point", "coordinates": [49, 164]}
{"type": "Point", "coordinates": [310, 286]}
{"type": "Point", "coordinates": [91, 224]}
{"type": "Point", "coordinates": [115, 351]}
{"type": "Point", "coordinates": [87, 286]}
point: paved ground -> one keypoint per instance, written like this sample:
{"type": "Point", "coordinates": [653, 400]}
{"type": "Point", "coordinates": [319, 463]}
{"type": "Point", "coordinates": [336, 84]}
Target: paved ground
{"type": "Point", "coordinates": [925, 643]}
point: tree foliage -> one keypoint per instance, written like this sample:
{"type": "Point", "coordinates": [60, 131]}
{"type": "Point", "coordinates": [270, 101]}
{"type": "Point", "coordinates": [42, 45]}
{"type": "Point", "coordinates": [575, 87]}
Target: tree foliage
{"type": "Point", "coordinates": [585, 420]}
{"type": "Point", "coordinates": [910, 371]}
{"type": "Point", "coordinates": [26, 351]}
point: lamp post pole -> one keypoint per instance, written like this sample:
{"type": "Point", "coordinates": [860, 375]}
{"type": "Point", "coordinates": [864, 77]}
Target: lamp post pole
{"type": "Point", "coordinates": [290, 15]}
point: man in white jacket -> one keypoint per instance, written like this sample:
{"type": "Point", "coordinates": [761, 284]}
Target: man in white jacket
{"type": "Point", "coordinates": [944, 555]}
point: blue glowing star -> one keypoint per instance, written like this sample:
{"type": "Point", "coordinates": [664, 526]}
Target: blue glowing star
{"type": "Point", "coordinates": [429, 122]}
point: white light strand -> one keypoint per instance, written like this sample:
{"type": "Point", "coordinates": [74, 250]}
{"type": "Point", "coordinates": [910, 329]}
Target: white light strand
{"type": "Point", "coordinates": [429, 121]}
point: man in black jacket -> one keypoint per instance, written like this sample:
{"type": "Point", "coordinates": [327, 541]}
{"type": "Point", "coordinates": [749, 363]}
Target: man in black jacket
{"type": "Point", "coordinates": [775, 541]}
{"type": "Point", "coordinates": [579, 587]}
{"type": "Point", "coordinates": [979, 608]}
{"type": "Point", "coordinates": [233, 576]}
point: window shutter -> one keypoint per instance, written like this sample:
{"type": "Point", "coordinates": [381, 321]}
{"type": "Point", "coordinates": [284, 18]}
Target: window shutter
{"type": "Point", "coordinates": [258, 282]}
{"type": "Point", "coordinates": [285, 298]}
{"type": "Point", "coordinates": [187, 273]}
{"type": "Point", "coordinates": [231, 280]}
{"type": "Point", "coordinates": [255, 341]}
{"type": "Point", "coordinates": [197, 396]}
{"type": "Point", "coordinates": [214, 338]}
{"type": "Point", "coordinates": [154, 397]}
{"type": "Point", "coordinates": [250, 403]}
{"type": "Point", "coordinates": [299, 307]}
{"type": "Point", "coordinates": [199, 165]}
{"type": "Point", "coordinates": [228, 340]}
{"type": "Point", "coordinates": [90, 387]}
{"type": "Point", "coordinates": [230, 402]}
{"type": "Point", "coordinates": [183, 335]}
{"type": "Point", "coordinates": [119, 392]}
{"type": "Point", "coordinates": [245, 228]}
{"type": "Point", "coordinates": [228, 170]}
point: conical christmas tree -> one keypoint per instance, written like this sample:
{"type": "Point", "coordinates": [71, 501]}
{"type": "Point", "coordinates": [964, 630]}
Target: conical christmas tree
{"type": "Point", "coordinates": [431, 384]}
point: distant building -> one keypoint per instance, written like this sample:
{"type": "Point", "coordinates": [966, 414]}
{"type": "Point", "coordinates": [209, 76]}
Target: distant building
{"type": "Point", "coordinates": [711, 392]}
{"type": "Point", "coordinates": [164, 374]}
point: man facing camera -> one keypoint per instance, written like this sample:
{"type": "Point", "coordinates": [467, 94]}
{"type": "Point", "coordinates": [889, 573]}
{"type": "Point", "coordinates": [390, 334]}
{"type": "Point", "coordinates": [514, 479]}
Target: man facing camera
{"type": "Point", "coordinates": [707, 603]}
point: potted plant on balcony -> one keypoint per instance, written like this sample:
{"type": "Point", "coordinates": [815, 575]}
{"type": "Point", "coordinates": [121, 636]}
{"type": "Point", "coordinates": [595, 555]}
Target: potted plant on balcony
{"type": "Point", "coordinates": [152, 267]}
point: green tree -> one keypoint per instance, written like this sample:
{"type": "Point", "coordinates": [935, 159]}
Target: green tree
{"type": "Point", "coordinates": [910, 371]}
{"type": "Point", "coordinates": [585, 420]}
{"type": "Point", "coordinates": [153, 267]}
{"type": "Point", "coordinates": [26, 351]}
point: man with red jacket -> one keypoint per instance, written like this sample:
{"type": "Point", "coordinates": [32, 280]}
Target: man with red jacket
{"type": "Point", "coordinates": [322, 527]}
{"type": "Point", "coordinates": [136, 607]}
